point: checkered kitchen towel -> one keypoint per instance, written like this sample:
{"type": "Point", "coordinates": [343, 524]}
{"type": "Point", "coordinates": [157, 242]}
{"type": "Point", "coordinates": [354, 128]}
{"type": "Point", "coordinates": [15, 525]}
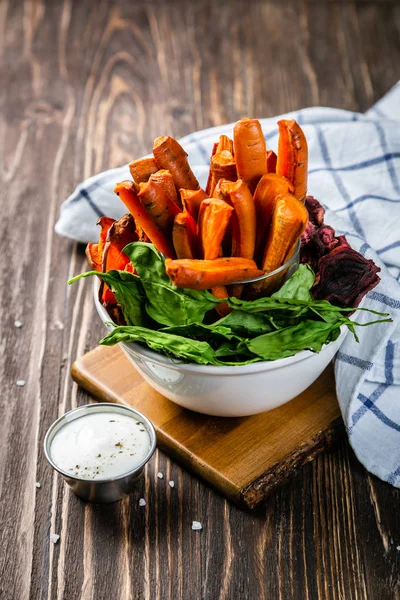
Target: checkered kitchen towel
{"type": "Point", "coordinates": [354, 169]}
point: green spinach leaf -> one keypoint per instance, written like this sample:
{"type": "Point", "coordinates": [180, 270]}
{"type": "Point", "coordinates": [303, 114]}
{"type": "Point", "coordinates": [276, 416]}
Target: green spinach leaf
{"type": "Point", "coordinates": [167, 304]}
{"type": "Point", "coordinates": [128, 291]}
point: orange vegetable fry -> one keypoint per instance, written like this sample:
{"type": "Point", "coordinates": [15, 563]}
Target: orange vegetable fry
{"type": "Point", "coordinates": [169, 154]}
{"type": "Point", "coordinates": [224, 144]}
{"type": "Point", "coordinates": [270, 187]}
{"type": "Point", "coordinates": [250, 151]}
{"type": "Point", "coordinates": [184, 235]}
{"type": "Point", "coordinates": [142, 169]}
{"type": "Point", "coordinates": [271, 161]}
{"type": "Point", "coordinates": [207, 274]}
{"type": "Point", "coordinates": [223, 166]}
{"type": "Point", "coordinates": [220, 292]}
{"type": "Point", "coordinates": [209, 185]}
{"type": "Point", "coordinates": [213, 220]}
{"type": "Point", "coordinates": [120, 234]}
{"type": "Point", "coordinates": [164, 179]}
{"type": "Point", "coordinates": [244, 218]}
{"type": "Point", "coordinates": [288, 222]}
{"type": "Point", "coordinates": [293, 156]}
{"type": "Point", "coordinates": [159, 206]}
{"type": "Point", "coordinates": [130, 198]}
{"type": "Point", "coordinates": [191, 200]}
{"type": "Point", "coordinates": [94, 252]}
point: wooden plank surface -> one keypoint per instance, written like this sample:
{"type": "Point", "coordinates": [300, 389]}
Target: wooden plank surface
{"type": "Point", "coordinates": [244, 458]}
{"type": "Point", "coordinates": [86, 86]}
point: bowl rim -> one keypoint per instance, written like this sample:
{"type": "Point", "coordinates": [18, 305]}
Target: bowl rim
{"type": "Point", "coordinates": [166, 361]}
{"type": "Point", "coordinates": [81, 411]}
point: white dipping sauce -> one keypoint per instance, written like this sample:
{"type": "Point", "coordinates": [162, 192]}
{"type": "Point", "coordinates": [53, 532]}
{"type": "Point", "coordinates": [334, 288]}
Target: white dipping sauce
{"type": "Point", "coordinates": [100, 445]}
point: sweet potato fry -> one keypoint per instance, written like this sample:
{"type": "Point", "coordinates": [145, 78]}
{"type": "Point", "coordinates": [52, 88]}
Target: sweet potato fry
{"type": "Point", "coordinates": [184, 235]}
{"type": "Point", "coordinates": [206, 274]}
{"type": "Point", "coordinates": [250, 151]}
{"type": "Point", "coordinates": [191, 200]}
{"type": "Point", "coordinates": [94, 252]}
{"type": "Point", "coordinates": [293, 156]}
{"type": "Point", "coordinates": [213, 220]}
{"type": "Point", "coordinates": [271, 161]}
{"type": "Point", "coordinates": [169, 154]}
{"type": "Point", "coordinates": [130, 198]}
{"type": "Point", "coordinates": [142, 168]}
{"type": "Point", "coordinates": [159, 206]}
{"type": "Point", "coordinates": [244, 218]}
{"type": "Point", "coordinates": [164, 179]}
{"type": "Point", "coordinates": [270, 187]}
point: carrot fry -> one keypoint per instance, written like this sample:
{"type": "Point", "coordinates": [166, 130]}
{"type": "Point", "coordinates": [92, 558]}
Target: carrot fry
{"type": "Point", "coordinates": [142, 168]}
{"type": "Point", "coordinates": [184, 235]}
{"type": "Point", "coordinates": [270, 187]}
{"type": "Point", "coordinates": [94, 255]}
{"type": "Point", "coordinates": [206, 274]}
{"type": "Point", "coordinates": [169, 154]}
{"type": "Point", "coordinates": [159, 206]}
{"type": "Point", "coordinates": [214, 216]}
{"type": "Point", "coordinates": [94, 252]}
{"type": "Point", "coordinates": [244, 218]}
{"type": "Point", "coordinates": [293, 156]}
{"type": "Point", "coordinates": [209, 185]}
{"type": "Point", "coordinates": [220, 292]}
{"type": "Point", "coordinates": [288, 223]}
{"type": "Point", "coordinates": [164, 179]}
{"type": "Point", "coordinates": [271, 161]}
{"type": "Point", "coordinates": [225, 143]}
{"type": "Point", "coordinates": [223, 166]}
{"type": "Point", "coordinates": [191, 200]}
{"type": "Point", "coordinates": [130, 198]}
{"type": "Point", "coordinates": [250, 151]}
{"type": "Point", "coordinates": [120, 234]}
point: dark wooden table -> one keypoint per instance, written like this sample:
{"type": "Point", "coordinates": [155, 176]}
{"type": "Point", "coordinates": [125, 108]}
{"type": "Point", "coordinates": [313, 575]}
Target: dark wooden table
{"type": "Point", "coordinates": [86, 86]}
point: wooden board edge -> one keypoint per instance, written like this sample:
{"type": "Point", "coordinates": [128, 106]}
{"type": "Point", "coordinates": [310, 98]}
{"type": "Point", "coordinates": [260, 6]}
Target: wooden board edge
{"type": "Point", "coordinates": [285, 469]}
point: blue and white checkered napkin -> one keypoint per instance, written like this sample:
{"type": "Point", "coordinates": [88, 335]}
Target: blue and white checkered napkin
{"type": "Point", "coordinates": [354, 162]}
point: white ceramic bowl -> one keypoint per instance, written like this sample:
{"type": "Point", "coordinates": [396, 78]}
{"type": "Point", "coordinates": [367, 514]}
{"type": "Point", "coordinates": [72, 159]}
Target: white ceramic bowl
{"type": "Point", "coordinates": [228, 391]}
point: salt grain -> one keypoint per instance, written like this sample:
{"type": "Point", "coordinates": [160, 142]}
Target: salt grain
{"type": "Point", "coordinates": [142, 502]}
{"type": "Point", "coordinates": [20, 382]}
{"type": "Point", "coordinates": [37, 484]}
{"type": "Point", "coordinates": [171, 483]}
{"type": "Point", "coordinates": [18, 324]}
{"type": "Point", "coordinates": [160, 476]}
{"type": "Point", "coordinates": [54, 538]}
{"type": "Point", "coordinates": [196, 526]}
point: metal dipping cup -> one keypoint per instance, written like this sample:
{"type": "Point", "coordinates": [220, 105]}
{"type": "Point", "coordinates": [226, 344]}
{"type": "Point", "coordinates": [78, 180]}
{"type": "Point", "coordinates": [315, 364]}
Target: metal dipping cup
{"type": "Point", "coordinates": [101, 490]}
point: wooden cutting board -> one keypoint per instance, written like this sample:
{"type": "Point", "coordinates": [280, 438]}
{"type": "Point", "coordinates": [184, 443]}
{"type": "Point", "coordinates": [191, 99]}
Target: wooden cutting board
{"type": "Point", "coordinates": [244, 458]}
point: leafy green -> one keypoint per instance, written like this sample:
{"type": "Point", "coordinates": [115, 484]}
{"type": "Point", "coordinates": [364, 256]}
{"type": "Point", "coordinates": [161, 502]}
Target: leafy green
{"type": "Point", "coordinates": [307, 335]}
{"type": "Point", "coordinates": [298, 286]}
{"type": "Point", "coordinates": [167, 304]}
{"type": "Point", "coordinates": [247, 324]}
{"type": "Point", "coordinates": [128, 291]}
{"type": "Point", "coordinates": [170, 320]}
{"type": "Point", "coordinates": [167, 343]}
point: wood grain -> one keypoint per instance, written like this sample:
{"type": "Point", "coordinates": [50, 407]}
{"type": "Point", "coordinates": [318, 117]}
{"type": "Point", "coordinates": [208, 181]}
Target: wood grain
{"type": "Point", "coordinates": [86, 86]}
